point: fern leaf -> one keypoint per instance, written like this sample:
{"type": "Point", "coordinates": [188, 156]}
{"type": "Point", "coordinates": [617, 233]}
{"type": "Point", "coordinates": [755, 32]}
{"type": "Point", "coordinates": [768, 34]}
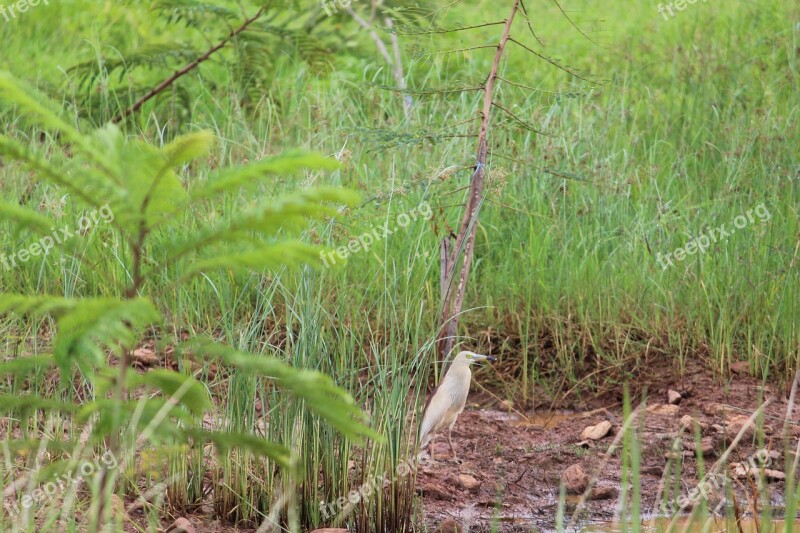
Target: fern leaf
{"type": "Point", "coordinates": [319, 392]}
{"type": "Point", "coordinates": [92, 187]}
{"type": "Point", "coordinates": [22, 366]}
{"type": "Point", "coordinates": [179, 387]}
{"type": "Point", "coordinates": [42, 111]}
{"type": "Point", "coordinates": [284, 164]}
{"type": "Point", "coordinates": [187, 148]}
{"type": "Point", "coordinates": [225, 441]}
{"type": "Point", "coordinates": [265, 257]}
{"type": "Point", "coordinates": [26, 218]}
{"type": "Point", "coordinates": [98, 324]}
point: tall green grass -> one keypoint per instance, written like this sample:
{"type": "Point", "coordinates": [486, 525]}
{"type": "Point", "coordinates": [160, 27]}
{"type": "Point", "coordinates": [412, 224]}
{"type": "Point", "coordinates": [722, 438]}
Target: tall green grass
{"type": "Point", "coordinates": [695, 123]}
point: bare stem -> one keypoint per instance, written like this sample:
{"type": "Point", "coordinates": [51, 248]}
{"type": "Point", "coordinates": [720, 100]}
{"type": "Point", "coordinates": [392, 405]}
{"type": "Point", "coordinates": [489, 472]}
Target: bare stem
{"type": "Point", "coordinates": [188, 68]}
{"type": "Point", "coordinates": [465, 240]}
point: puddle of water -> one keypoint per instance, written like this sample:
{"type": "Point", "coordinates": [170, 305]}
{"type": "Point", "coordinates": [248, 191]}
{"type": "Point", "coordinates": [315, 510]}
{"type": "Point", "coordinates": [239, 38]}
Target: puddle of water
{"type": "Point", "coordinates": [552, 419]}
{"type": "Point", "coordinates": [682, 525]}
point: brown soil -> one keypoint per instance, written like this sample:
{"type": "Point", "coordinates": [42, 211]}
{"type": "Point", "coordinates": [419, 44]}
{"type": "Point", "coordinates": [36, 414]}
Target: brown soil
{"type": "Point", "coordinates": [518, 458]}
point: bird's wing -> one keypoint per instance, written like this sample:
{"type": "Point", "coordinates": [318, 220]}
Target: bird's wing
{"type": "Point", "coordinates": [436, 411]}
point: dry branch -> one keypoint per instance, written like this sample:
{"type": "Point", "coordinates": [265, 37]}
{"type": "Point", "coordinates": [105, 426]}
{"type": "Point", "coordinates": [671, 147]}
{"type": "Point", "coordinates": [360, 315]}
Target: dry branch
{"type": "Point", "coordinates": [185, 70]}
{"type": "Point", "coordinates": [452, 300]}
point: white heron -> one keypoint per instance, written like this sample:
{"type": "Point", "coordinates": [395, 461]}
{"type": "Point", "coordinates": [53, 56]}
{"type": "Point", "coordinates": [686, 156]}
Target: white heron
{"type": "Point", "coordinates": [448, 400]}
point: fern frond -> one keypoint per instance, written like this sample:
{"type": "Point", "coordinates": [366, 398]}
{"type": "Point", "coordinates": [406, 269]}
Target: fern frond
{"type": "Point", "coordinates": [193, 13]}
{"type": "Point", "coordinates": [22, 366]}
{"type": "Point", "coordinates": [184, 389]}
{"type": "Point", "coordinates": [111, 414]}
{"type": "Point", "coordinates": [90, 186]}
{"type": "Point", "coordinates": [26, 218]}
{"type": "Point", "coordinates": [86, 327]}
{"type": "Point", "coordinates": [45, 113]}
{"type": "Point", "coordinates": [232, 179]}
{"type": "Point", "coordinates": [260, 257]}
{"type": "Point", "coordinates": [290, 213]}
{"type": "Point", "coordinates": [149, 56]}
{"type": "Point", "coordinates": [226, 440]}
{"type": "Point", "coordinates": [94, 326]}
{"type": "Point", "coordinates": [320, 394]}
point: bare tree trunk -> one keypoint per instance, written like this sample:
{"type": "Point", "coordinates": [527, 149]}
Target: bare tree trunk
{"type": "Point", "coordinates": [452, 300]}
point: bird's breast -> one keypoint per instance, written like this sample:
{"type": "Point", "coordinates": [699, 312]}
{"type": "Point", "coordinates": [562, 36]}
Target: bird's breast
{"type": "Point", "coordinates": [458, 389]}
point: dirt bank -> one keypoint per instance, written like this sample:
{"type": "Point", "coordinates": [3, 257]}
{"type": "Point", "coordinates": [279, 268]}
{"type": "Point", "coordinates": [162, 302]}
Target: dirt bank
{"type": "Point", "coordinates": [511, 463]}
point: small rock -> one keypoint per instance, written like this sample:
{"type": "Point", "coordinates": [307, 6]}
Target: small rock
{"type": "Point", "coordinates": [707, 446]}
{"type": "Point", "coordinates": [652, 470]}
{"type": "Point", "coordinates": [674, 397]}
{"type": "Point", "coordinates": [575, 479]}
{"type": "Point", "coordinates": [664, 409]}
{"type": "Point", "coordinates": [741, 470]}
{"type": "Point", "coordinates": [437, 493]}
{"type": "Point", "coordinates": [468, 482]}
{"type": "Point", "coordinates": [596, 432]}
{"type": "Point", "coordinates": [181, 525]}
{"type": "Point", "coordinates": [718, 428]}
{"type": "Point", "coordinates": [603, 493]}
{"type": "Point", "coordinates": [773, 455]}
{"type": "Point", "coordinates": [468, 467]}
{"type": "Point", "coordinates": [774, 475]}
{"type": "Point", "coordinates": [145, 356]}
{"type": "Point", "coordinates": [735, 425]}
{"type": "Point", "coordinates": [441, 451]}
{"type": "Point", "coordinates": [715, 409]}
{"type": "Point", "coordinates": [687, 424]}
{"type": "Point", "coordinates": [740, 367]}
{"type": "Point", "coordinates": [448, 526]}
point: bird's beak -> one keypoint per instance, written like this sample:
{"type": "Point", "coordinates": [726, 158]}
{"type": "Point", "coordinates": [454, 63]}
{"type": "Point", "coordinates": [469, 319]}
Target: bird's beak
{"type": "Point", "coordinates": [484, 357]}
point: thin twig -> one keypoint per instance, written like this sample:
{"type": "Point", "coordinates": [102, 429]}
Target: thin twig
{"type": "Point", "coordinates": [551, 61]}
{"type": "Point", "coordinates": [188, 68]}
{"type": "Point", "coordinates": [465, 239]}
{"type": "Point", "coordinates": [450, 30]}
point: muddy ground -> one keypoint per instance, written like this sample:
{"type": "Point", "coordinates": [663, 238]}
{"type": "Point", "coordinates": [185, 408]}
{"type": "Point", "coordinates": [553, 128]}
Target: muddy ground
{"type": "Point", "coordinates": [511, 464]}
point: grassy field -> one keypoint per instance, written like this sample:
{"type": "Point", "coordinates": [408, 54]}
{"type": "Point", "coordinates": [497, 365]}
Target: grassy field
{"type": "Point", "coordinates": [654, 215]}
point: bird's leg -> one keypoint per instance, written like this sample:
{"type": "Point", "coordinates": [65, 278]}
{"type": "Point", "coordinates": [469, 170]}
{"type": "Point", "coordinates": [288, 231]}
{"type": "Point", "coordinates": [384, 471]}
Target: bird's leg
{"type": "Point", "coordinates": [450, 440]}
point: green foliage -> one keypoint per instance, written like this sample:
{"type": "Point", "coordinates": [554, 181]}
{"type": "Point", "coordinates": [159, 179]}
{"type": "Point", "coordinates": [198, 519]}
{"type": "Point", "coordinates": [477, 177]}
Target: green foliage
{"type": "Point", "coordinates": [318, 390]}
{"type": "Point", "coordinates": [140, 194]}
{"type": "Point", "coordinates": [250, 57]}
